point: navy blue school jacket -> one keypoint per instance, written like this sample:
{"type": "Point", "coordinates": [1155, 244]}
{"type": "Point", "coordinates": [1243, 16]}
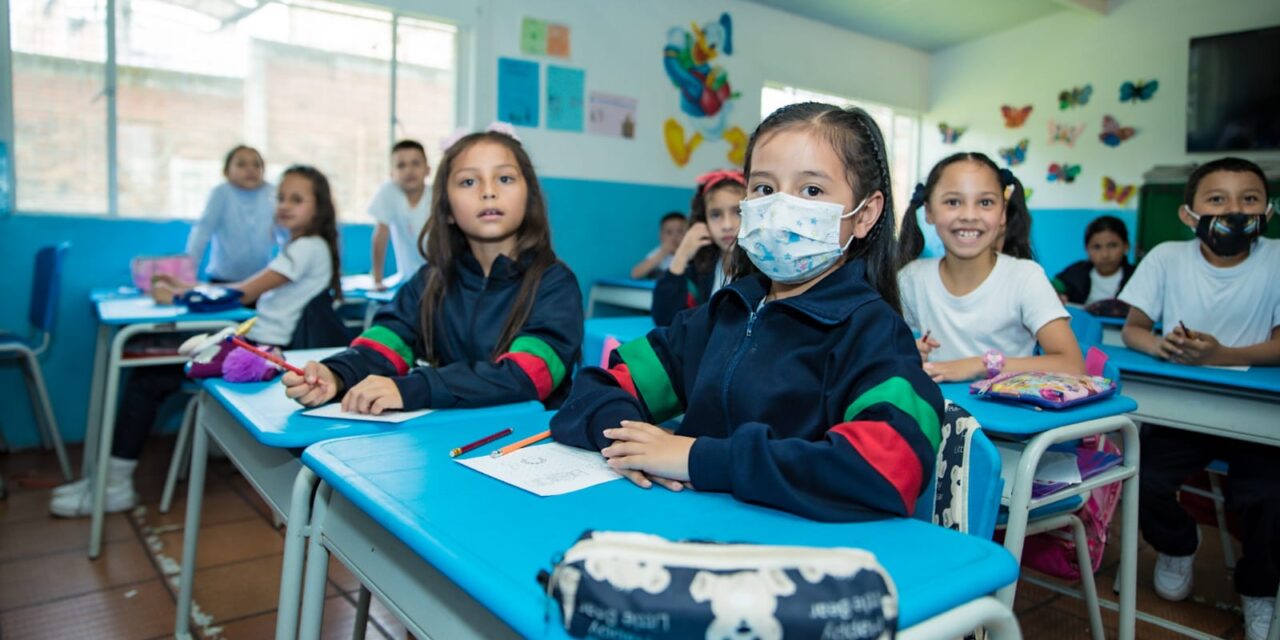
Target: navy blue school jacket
{"type": "Point", "coordinates": [534, 367]}
{"type": "Point", "coordinates": [1075, 283]}
{"type": "Point", "coordinates": [675, 293]}
{"type": "Point", "coordinates": [815, 404]}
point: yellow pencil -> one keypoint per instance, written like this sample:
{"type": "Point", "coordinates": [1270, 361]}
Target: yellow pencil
{"type": "Point", "coordinates": [497, 453]}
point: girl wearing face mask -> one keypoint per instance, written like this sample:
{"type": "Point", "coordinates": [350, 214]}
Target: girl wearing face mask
{"type": "Point", "coordinates": [1219, 301]}
{"type": "Point", "coordinates": [698, 266]}
{"type": "Point", "coordinates": [984, 305]}
{"type": "Point", "coordinates": [800, 385]}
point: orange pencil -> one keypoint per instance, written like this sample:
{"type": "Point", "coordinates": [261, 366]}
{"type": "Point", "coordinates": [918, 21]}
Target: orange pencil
{"type": "Point", "coordinates": [498, 453]}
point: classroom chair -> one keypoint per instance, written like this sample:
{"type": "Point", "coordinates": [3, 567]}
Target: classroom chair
{"type": "Point", "coordinates": [43, 314]}
{"type": "Point", "coordinates": [319, 326]}
{"type": "Point", "coordinates": [1088, 329]}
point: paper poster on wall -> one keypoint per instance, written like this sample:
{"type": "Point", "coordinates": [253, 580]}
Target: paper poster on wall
{"type": "Point", "coordinates": [518, 92]}
{"type": "Point", "coordinates": [610, 115]}
{"type": "Point", "coordinates": [533, 36]}
{"type": "Point", "coordinates": [558, 40]}
{"type": "Point", "coordinates": [564, 98]}
{"type": "Point", "coordinates": [706, 97]}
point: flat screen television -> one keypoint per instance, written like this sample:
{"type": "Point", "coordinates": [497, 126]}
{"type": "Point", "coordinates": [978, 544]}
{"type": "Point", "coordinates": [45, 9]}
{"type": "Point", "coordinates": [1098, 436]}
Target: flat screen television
{"type": "Point", "coordinates": [1233, 91]}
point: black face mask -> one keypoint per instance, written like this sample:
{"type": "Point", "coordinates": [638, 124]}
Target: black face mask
{"type": "Point", "coordinates": [1230, 234]}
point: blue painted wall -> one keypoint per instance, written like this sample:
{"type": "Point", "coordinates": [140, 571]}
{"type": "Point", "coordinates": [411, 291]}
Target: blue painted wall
{"type": "Point", "coordinates": [599, 228]}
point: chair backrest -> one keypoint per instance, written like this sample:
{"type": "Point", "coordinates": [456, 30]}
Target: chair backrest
{"type": "Point", "coordinates": [45, 286]}
{"type": "Point", "coordinates": [319, 326]}
{"type": "Point", "coordinates": [969, 465]}
{"type": "Point", "coordinates": [1087, 328]}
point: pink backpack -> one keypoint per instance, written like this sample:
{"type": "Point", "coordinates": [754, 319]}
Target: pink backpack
{"type": "Point", "coordinates": [1050, 553]}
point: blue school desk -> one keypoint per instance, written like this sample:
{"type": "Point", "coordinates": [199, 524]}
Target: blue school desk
{"type": "Point", "coordinates": [261, 430]}
{"type": "Point", "coordinates": [122, 314]}
{"type": "Point", "coordinates": [454, 553]}
{"type": "Point", "coordinates": [1223, 402]}
{"type": "Point", "coordinates": [356, 290]}
{"type": "Point", "coordinates": [636, 295]}
{"type": "Point", "coordinates": [597, 331]}
{"type": "Point", "coordinates": [1042, 429]}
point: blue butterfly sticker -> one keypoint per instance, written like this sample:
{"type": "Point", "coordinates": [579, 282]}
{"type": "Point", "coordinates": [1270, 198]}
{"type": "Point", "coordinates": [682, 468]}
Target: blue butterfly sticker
{"type": "Point", "coordinates": [1141, 90]}
{"type": "Point", "coordinates": [1015, 155]}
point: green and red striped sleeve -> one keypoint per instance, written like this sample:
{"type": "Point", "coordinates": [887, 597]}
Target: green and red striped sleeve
{"type": "Point", "coordinates": [387, 344]}
{"type": "Point", "coordinates": [642, 375]}
{"type": "Point", "coordinates": [537, 360]}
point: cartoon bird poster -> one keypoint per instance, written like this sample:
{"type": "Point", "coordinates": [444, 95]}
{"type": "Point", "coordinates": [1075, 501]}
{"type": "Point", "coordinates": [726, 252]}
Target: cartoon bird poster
{"type": "Point", "coordinates": [706, 98]}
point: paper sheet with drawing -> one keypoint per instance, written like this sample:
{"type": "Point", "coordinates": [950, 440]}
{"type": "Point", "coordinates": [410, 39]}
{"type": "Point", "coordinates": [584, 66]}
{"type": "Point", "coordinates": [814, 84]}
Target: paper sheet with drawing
{"type": "Point", "coordinates": [546, 470]}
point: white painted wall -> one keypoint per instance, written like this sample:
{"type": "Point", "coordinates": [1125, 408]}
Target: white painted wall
{"type": "Point", "coordinates": [1030, 64]}
{"type": "Point", "coordinates": [619, 44]}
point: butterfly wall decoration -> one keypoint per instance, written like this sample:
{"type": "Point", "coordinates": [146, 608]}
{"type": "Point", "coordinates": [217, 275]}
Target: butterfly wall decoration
{"type": "Point", "coordinates": [1063, 172]}
{"type": "Point", "coordinates": [1119, 194]}
{"type": "Point", "coordinates": [1074, 97]}
{"type": "Point", "coordinates": [1139, 91]}
{"type": "Point", "coordinates": [1064, 133]}
{"type": "Point", "coordinates": [1015, 117]}
{"type": "Point", "coordinates": [1017, 154]}
{"type": "Point", "coordinates": [950, 134]}
{"type": "Point", "coordinates": [1113, 134]}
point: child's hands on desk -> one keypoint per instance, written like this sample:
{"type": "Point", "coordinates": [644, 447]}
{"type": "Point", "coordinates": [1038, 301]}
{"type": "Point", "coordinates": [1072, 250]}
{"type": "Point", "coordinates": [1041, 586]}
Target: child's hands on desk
{"type": "Point", "coordinates": [645, 454]}
{"type": "Point", "coordinates": [956, 370]}
{"type": "Point", "coordinates": [925, 345]}
{"type": "Point", "coordinates": [374, 395]}
{"type": "Point", "coordinates": [317, 387]}
{"type": "Point", "coordinates": [1188, 347]}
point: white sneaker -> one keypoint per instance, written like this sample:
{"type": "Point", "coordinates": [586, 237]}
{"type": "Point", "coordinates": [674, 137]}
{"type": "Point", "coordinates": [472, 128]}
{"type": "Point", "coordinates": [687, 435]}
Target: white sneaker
{"type": "Point", "coordinates": [77, 501]}
{"type": "Point", "coordinates": [1257, 616]}
{"type": "Point", "coordinates": [76, 486]}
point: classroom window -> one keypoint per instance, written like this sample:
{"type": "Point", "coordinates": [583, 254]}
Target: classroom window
{"type": "Point", "coordinates": [901, 130]}
{"type": "Point", "coordinates": [304, 81]}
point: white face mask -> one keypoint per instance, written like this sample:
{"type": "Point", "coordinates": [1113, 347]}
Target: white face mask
{"type": "Point", "coordinates": [792, 239]}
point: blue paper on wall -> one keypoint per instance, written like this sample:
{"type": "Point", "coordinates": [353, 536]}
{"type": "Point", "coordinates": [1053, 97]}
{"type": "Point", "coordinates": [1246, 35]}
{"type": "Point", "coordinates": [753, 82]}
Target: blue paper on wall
{"type": "Point", "coordinates": [5, 206]}
{"type": "Point", "coordinates": [564, 98]}
{"type": "Point", "coordinates": [518, 92]}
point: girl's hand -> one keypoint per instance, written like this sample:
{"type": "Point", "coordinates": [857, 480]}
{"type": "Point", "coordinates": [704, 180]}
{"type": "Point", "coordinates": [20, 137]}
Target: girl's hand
{"type": "Point", "coordinates": [925, 346]}
{"type": "Point", "coordinates": [162, 293]}
{"type": "Point", "coordinates": [1196, 348]}
{"type": "Point", "coordinates": [697, 237]}
{"type": "Point", "coordinates": [956, 370]}
{"type": "Point", "coordinates": [317, 386]}
{"type": "Point", "coordinates": [640, 446]}
{"type": "Point", "coordinates": [645, 481]}
{"type": "Point", "coordinates": [374, 395]}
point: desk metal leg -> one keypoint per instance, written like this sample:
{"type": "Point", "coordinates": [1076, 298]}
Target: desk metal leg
{"type": "Point", "coordinates": [362, 614]}
{"type": "Point", "coordinates": [191, 529]}
{"type": "Point", "coordinates": [105, 436]}
{"type": "Point", "coordinates": [370, 310]}
{"type": "Point", "coordinates": [986, 612]}
{"type": "Point", "coordinates": [295, 542]}
{"type": "Point", "coordinates": [93, 420]}
{"type": "Point", "coordinates": [1129, 540]}
{"type": "Point", "coordinates": [591, 303]}
{"type": "Point", "coordinates": [317, 568]}
{"type": "Point", "coordinates": [1274, 632]}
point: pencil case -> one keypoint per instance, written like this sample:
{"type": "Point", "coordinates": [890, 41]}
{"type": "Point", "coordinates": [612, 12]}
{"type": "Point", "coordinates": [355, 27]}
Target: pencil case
{"type": "Point", "coordinates": [210, 299]}
{"type": "Point", "coordinates": [636, 585]}
{"type": "Point", "coordinates": [1043, 389]}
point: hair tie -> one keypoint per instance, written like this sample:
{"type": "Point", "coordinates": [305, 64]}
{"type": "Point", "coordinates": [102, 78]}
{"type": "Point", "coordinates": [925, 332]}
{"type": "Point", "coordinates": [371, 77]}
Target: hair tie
{"type": "Point", "coordinates": [713, 178]}
{"type": "Point", "coordinates": [1006, 177]}
{"type": "Point", "coordinates": [918, 196]}
{"type": "Point", "coordinates": [497, 126]}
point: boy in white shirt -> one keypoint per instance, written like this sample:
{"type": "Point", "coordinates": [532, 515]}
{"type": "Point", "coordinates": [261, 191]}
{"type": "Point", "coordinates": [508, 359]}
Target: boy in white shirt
{"type": "Point", "coordinates": [400, 208]}
{"type": "Point", "coordinates": [1220, 305]}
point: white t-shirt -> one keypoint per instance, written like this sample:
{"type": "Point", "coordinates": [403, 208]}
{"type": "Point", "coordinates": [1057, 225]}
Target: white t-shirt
{"type": "Point", "coordinates": [1004, 313]}
{"type": "Point", "coordinates": [1238, 305]}
{"type": "Point", "coordinates": [391, 207]}
{"type": "Point", "coordinates": [305, 262]}
{"type": "Point", "coordinates": [1103, 287]}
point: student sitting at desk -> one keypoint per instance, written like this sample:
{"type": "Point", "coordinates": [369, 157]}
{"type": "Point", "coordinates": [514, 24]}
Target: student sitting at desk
{"type": "Point", "coordinates": [1104, 274]}
{"type": "Point", "coordinates": [1218, 298]}
{"type": "Point", "coordinates": [671, 231]}
{"type": "Point", "coordinates": [305, 268]}
{"type": "Point", "coordinates": [492, 318]}
{"type": "Point", "coordinates": [800, 386]}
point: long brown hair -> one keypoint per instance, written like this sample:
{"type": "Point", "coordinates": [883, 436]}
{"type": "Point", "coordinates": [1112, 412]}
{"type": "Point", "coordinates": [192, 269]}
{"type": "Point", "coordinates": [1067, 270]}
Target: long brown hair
{"type": "Point", "coordinates": [704, 261]}
{"type": "Point", "coordinates": [442, 244]}
{"type": "Point", "coordinates": [325, 221]}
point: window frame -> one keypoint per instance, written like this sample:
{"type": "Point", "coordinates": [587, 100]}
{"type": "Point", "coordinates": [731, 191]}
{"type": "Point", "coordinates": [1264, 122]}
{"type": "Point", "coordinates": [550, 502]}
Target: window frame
{"type": "Point", "coordinates": [463, 92]}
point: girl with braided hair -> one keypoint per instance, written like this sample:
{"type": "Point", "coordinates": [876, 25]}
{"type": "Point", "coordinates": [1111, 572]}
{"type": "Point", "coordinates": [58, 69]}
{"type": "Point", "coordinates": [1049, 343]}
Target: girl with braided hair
{"type": "Point", "coordinates": [984, 305]}
{"type": "Point", "coordinates": [800, 384]}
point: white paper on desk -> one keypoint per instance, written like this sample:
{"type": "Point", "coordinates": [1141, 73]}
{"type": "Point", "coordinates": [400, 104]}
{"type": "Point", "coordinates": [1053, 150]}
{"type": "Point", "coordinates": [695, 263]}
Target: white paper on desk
{"type": "Point", "coordinates": [1055, 466]}
{"type": "Point", "coordinates": [546, 469]}
{"type": "Point", "coordinates": [364, 281]}
{"type": "Point", "coordinates": [1227, 367]}
{"type": "Point", "coordinates": [334, 410]}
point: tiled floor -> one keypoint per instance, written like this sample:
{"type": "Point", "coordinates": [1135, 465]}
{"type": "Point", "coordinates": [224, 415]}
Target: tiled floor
{"type": "Point", "coordinates": [49, 588]}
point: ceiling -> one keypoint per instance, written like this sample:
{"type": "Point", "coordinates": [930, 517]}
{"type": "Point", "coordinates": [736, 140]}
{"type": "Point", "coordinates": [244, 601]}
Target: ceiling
{"type": "Point", "coordinates": [927, 25]}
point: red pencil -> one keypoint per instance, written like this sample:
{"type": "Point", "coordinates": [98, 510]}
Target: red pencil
{"type": "Point", "coordinates": [269, 358]}
{"type": "Point", "coordinates": [457, 451]}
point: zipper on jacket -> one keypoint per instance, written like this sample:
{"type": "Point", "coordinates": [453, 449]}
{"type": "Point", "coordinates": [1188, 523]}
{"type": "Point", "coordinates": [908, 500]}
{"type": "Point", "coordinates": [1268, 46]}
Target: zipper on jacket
{"type": "Point", "coordinates": [733, 365]}
{"type": "Point", "coordinates": [475, 311]}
